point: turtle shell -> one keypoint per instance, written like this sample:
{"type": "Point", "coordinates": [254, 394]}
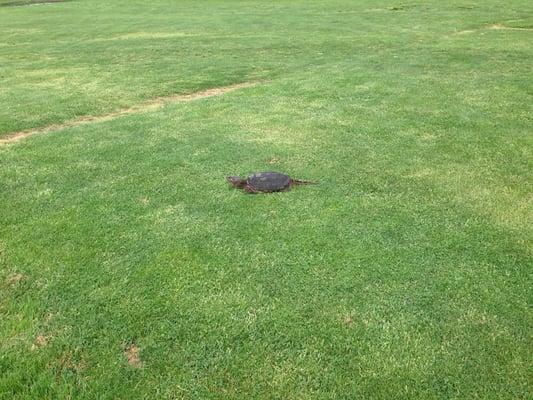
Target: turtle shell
{"type": "Point", "coordinates": [269, 181]}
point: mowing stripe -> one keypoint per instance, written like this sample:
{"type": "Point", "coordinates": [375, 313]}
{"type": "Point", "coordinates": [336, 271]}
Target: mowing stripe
{"type": "Point", "coordinates": [150, 105]}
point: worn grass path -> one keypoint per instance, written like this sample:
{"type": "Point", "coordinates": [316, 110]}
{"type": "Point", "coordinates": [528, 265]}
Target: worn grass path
{"type": "Point", "coordinates": [150, 105]}
{"type": "Point", "coordinates": [128, 269]}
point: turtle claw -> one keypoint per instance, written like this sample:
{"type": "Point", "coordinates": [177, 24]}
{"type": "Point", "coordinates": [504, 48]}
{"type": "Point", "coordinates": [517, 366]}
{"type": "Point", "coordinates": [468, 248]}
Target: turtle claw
{"type": "Point", "coordinates": [249, 189]}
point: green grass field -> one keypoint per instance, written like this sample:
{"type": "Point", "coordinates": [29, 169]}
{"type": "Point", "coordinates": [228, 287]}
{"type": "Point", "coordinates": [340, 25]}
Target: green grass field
{"type": "Point", "coordinates": [129, 269]}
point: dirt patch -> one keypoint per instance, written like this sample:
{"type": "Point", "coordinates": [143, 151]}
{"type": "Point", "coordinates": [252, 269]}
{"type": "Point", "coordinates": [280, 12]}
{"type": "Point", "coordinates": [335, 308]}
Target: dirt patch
{"type": "Point", "coordinates": [31, 2]}
{"type": "Point", "coordinates": [40, 341]}
{"type": "Point", "coordinates": [149, 105]}
{"type": "Point", "coordinates": [146, 35]}
{"type": "Point", "coordinates": [402, 7]}
{"type": "Point", "coordinates": [465, 32]}
{"type": "Point", "coordinates": [498, 27]}
{"type": "Point", "coordinates": [511, 28]}
{"type": "Point", "coordinates": [69, 361]}
{"type": "Point", "coordinates": [15, 278]}
{"type": "Point", "coordinates": [348, 320]}
{"type": "Point", "coordinates": [273, 160]}
{"type": "Point", "coordinates": [131, 352]}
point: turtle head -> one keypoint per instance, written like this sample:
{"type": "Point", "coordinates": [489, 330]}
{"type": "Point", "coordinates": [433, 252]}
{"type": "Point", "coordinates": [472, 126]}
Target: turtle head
{"type": "Point", "coordinates": [236, 181]}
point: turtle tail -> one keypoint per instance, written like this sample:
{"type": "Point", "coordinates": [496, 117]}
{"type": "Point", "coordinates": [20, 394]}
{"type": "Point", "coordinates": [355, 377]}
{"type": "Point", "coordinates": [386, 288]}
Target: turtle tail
{"type": "Point", "coordinates": [301, 182]}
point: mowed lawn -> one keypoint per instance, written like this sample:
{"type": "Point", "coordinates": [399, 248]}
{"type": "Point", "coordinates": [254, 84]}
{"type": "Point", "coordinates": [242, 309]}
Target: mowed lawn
{"type": "Point", "coordinates": [129, 269]}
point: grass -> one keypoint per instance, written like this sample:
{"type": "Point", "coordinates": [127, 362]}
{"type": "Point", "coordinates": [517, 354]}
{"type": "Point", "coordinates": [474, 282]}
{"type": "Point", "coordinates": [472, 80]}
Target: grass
{"type": "Point", "coordinates": [128, 269]}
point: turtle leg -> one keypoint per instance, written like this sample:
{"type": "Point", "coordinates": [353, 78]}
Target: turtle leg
{"type": "Point", "coordinates": [249, 189]}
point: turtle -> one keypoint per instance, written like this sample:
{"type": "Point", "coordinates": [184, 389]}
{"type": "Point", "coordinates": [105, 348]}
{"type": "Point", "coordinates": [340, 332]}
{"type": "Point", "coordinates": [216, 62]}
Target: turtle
{"type": "Point", "coordinates": [265, 182]}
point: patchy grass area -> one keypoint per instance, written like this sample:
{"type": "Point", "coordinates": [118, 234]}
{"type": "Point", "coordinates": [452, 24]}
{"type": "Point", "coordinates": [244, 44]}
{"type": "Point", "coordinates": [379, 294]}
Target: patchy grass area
{"type": "Point", "coordinates": [128, 268]}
